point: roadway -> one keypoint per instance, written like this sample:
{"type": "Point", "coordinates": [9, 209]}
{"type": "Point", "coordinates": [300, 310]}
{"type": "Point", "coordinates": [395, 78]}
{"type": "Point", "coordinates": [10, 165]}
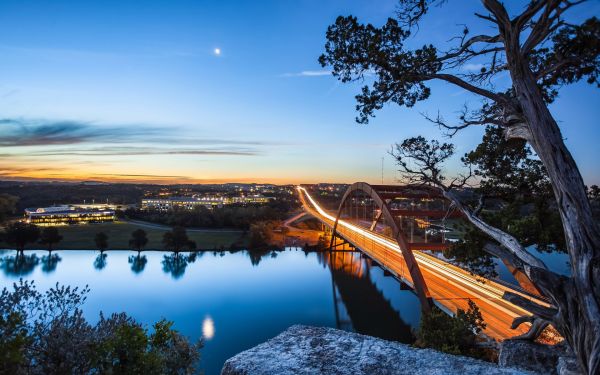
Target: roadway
{"type": "Point", "coordinates": [449, 286]}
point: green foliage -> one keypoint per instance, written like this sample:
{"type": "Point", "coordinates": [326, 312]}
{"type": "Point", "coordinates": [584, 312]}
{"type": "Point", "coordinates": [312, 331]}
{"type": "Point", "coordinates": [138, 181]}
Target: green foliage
{"type": "Point", "coordinates": [454, 335]}
{"type": "Point", "coordinates": [46, 333]}
{"type": "Point", "coordinates": [20, 234]}
{"type": "Point", "coordinates": [101, 241]}
{"type": "Point", "coordinates": [13, 339]}
{"type": "Point", "coordinates": [138, 240]}
{"type": "Point", "coordinates": [50, 237]}
{"type": "Point", "coordinates": [177, 240]}
{"type": "Point", "coordinates": [260, 235]}
{"type": "Point", "coordinates": [354, 50]}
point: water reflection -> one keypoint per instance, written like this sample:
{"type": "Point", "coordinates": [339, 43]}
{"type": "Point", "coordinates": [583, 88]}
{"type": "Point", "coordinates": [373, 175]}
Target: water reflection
{"type": "Point", "coordinates": [249, 301]}
{"type": "Point", "coordinates": [176, 263]}
{"type": "Point", "coordinates": [257, 255]}
{"type": "Point", "coordinates": [19, 265]}
{"type": "Point", "coordinates": [208, 328]}
{"type": "Point", "coordinates": [138, 262]}
{"type": "Point", "coordinates": [358, 304]}
{"type": "Point", "coordinates": [100, 261]}
{"type": "Point", "coordinates": [49, 262]}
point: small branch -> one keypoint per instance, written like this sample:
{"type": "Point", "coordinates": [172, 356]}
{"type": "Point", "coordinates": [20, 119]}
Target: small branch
{"type": "Point", "coordinates": [505, 239]}
{"type": "Point", "coordinates": [537, 327]}
{"type": "Point", "coordinates": [480, 204]}
{"type": "Point", "coordinates": [546, 313]}
{"type": "Point", "coordinates": [469, 87]}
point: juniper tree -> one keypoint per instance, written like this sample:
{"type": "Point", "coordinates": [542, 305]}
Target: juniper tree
{"type": "Point", "coordinates": [540, 51]}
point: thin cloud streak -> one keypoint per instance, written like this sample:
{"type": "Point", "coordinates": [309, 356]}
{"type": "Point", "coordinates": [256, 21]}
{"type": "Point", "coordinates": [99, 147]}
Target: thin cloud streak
{"type": "Point", "coordinates": [145, 151]}
{"type": "Point", "coordinates": [308, 73]}
{"type": "Point", "coordinates": [22, 132]}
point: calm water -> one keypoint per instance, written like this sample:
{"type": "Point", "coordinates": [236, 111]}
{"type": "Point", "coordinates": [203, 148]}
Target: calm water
{"type": "Point", "coordinates": [233, 300]}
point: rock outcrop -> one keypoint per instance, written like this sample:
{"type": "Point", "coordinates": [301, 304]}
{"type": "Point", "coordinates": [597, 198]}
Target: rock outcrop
{"type": "Point", "coordinates": [316, 350]}
{"type": "Point", "coordinates": [545, 359]}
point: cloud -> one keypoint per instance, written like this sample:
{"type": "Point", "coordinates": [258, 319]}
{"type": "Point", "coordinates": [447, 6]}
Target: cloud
{"type": "Point", "coordinates": [19, 132]}
{"type": "Point", "coordinates": [308, 73]}
{"type": "Point", "coordinates": [133, 151]}
{"type": "Point", "coordinates": [23, 132]}
{"type": "Point", "coordinates": [140, 175]}
{"type": "Point", "coordinates": [472, 67]}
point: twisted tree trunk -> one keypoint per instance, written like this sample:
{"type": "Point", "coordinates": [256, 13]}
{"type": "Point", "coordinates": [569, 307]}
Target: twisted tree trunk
{"type": "Point", "coordinates": [577, 298]}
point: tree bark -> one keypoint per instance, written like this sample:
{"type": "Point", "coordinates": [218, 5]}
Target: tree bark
{"type": "Point", "coordinates": [577, 299]}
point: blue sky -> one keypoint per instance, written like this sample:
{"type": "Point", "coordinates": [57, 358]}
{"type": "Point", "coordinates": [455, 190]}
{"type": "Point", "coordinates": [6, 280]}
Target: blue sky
{"type": "Point", "coordinates": [128, 90]}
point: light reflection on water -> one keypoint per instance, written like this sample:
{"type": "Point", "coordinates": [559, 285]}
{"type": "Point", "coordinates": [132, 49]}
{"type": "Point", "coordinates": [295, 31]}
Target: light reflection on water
{"type": "Point", "coordinates": [232, 300]}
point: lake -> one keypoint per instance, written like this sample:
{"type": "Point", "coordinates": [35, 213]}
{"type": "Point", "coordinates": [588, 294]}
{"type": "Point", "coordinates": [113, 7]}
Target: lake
{"type": "Point", "coordinates": [233, 300]}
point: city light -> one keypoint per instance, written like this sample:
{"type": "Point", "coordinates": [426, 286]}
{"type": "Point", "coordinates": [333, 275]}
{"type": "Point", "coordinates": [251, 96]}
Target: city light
{"type": "Point", "coordinates": [489, 290]}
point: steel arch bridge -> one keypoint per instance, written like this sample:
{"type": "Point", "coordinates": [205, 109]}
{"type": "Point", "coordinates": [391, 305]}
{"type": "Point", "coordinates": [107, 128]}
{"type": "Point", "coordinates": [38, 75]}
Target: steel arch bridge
{"type": "Point", "coordinates": [383, 199]}
{"type": "Point", "coordinates": [367, 211]}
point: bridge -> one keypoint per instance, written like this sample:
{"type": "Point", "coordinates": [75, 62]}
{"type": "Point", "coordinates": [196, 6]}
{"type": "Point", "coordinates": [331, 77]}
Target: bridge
{"type": "Point", "coordinates": [375, 220]}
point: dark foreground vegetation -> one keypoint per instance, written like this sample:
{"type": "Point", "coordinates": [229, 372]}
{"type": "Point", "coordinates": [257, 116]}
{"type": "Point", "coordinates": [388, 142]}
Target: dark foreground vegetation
{"type": "Point", "coordinates": [46, 333]}
{"type": "Point", "coordinates": [452, 334]}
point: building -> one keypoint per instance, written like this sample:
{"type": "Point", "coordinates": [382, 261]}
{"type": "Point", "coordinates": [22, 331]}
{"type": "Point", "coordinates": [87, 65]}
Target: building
{"type": "Point", "coordinates": [163, 204]}
{"type": "Point", "coordinates": [182, 202]}
{"type": "Point", "coordinates": [62, 215]}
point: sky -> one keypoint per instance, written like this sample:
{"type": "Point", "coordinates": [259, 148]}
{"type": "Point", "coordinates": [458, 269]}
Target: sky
{"type": "Point", "coordinates": [219, 91]}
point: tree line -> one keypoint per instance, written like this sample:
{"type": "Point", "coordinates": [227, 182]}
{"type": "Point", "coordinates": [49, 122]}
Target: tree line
{"type": "Point", "coordinates": [233, 216]}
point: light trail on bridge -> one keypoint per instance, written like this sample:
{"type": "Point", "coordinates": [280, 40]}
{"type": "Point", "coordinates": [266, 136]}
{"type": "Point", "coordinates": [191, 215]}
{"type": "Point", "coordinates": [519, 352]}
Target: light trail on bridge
{"type": "Point", "coordinates": [451, 287]}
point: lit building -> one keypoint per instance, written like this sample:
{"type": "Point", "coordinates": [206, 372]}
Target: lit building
{"type": "Point", "coordinates": [206, 201]}
{"type": "Point", "coordinates": [61, 215]}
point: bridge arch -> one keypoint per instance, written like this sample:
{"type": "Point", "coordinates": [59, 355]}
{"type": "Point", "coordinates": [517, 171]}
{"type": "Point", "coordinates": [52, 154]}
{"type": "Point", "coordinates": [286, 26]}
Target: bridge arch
{"type": "Point", "coordinates": [381, 196]}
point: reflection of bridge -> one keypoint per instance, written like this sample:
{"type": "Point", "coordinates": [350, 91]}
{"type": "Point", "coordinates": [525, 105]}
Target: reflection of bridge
{"type": "Point", "coordinates": [369, 312]}
{"type": "Point", "coordinates": [448, 286]}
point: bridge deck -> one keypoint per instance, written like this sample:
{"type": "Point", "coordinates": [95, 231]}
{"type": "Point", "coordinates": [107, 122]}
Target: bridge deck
{"type": "Point", "coordinates": [450, 287]}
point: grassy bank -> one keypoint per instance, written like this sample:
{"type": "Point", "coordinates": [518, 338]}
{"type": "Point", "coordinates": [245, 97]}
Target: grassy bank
{"type": "Point", "coordinates": [81, 237]}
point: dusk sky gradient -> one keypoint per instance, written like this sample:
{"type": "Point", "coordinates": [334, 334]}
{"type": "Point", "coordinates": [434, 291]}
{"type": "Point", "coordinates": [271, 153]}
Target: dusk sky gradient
{"type": "Point", "coordinates": [134, 91]}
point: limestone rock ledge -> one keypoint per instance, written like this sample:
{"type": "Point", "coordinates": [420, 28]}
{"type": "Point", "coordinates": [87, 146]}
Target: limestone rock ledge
{"type": "Point", "coordinates": [317, 350]}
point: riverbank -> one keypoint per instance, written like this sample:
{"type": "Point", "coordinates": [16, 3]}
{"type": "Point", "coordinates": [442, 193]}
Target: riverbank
{"type": "Point", "coordinates": [81, 237]}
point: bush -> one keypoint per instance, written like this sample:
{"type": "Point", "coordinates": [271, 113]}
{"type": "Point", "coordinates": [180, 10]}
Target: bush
{"type": "Point", "coordinates": [451, 334]}
{"type": "Point", "coordinates": [47, 334]}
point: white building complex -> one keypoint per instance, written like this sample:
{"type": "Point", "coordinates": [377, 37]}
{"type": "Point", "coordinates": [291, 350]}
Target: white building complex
{"type": "Point", "coordinates": [67, 214]}
{"type": "Point", "coordinates": [206, 201]}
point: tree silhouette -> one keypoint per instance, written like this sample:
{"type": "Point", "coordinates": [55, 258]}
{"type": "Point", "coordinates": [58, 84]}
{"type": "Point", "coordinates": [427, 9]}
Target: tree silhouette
{"type": "Point", "coordinates": [7, 205]}
{"type": "Point", "coordinates": [176, 240]}
{"type": "Point", "coordinates": [138, 262]}
{"type": "Point", "coordinates": [49, 262]}
{"type": "Point", "coordinates": [19, 264]}
{"type": "Point", "coordinates": [541, 52]}
{"type": "Point", "coordinates": [50, 237]}
{"type": "Point", "coordinates": [139, 240]}
{"type": "Point", "coordinates": [19, 234]}
{"type": "Point", "coordinates": [100, 261]}
{"type": "Point", "coordinates": [101, 241]}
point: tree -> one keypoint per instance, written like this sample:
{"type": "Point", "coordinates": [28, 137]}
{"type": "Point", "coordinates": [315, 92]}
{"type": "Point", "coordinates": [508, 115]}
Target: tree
{"type": "Point", "coordinates": [451, 334]}
{"type": "Point", "coordinates": [7, 205]}
{"type": "Point", "coordinates": [138, 240]}
{"type": "Point", "coordinates": [101, 240]}
{"type": "Point", "coordinates": [19, 234]}
{"type": "Point", "coordinates": [260, 235]}
{"type": "Point", "coordinates": [50, 237]}
{"type": "Point", "coordinates": [176, 240]}
{"type": "Point", "coordinates": [541, 52]}
{"type": "Point", "coordinates": [46, 333]}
